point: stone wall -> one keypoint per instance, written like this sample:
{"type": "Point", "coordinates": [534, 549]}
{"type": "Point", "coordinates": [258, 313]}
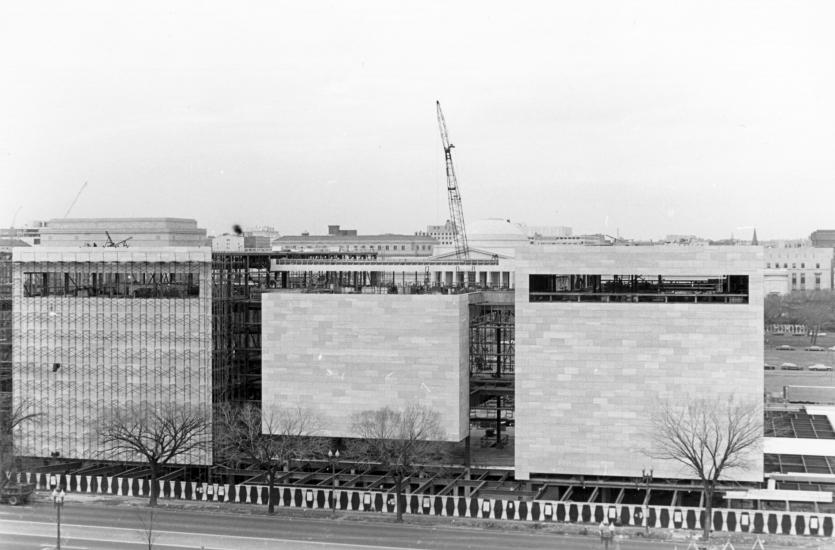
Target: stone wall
{"type": "Point", "coordinates": [340, 354]}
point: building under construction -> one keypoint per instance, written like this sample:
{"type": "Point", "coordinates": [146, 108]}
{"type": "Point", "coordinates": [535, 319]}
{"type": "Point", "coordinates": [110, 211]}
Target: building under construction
{"type": "Point", "coordinates": [94, 329]}
{"type": "Point", "coordinates": [540, 364]}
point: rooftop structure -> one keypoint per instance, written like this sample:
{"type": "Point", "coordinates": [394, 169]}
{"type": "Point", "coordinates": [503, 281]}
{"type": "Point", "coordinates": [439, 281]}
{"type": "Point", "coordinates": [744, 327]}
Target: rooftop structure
{"type": "Point", "coordinates": [823, 238]}
{"type": "Point", "coordinates": [132, 232]}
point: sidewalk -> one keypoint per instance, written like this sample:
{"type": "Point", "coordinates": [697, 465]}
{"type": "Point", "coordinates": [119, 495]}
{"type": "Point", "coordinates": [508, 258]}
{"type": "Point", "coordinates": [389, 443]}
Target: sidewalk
{"type": "Point", "coordinates": [678, 539]}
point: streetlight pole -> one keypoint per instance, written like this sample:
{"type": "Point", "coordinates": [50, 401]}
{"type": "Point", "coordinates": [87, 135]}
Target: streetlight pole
{"type": "Point", "coordinates": [646, 478]}
{"type": "Point", "coordinates": [58, 502]}
{"type": "Point", "coordinates": [333, 457]}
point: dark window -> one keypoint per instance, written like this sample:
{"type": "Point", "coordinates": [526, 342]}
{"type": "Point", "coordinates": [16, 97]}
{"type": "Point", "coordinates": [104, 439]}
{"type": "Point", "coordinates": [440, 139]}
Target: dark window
{"type": "Point", "coordinates": [802, 266]}
{"type": "Point", "coordinates": [731, 289]}
{"type": "Point", "coordinates": [817, 281]}
{"type": "Point", "coordinates": [111, 285]}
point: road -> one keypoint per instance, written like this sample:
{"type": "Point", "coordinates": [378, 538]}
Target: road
{"type": "Point", "coordinates": [88, 526]}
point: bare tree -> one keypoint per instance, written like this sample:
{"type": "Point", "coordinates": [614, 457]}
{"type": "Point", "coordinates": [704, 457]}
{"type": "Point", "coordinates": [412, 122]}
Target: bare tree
{"type": "Point", "coordinates": [399, 440]}
{"type": "Point", "coordinates": [266, 439]}
{"type": "Point", "coordinates": [773, 308]}
{"type": "Point", "coordinates": [815, 309]}
{"type": "Point", "coordinates": [11, 416]}
{"type": "Point", "coordinates": [147, 532]}
{"type": "Point", "coordinates": [158, 434]}
{"type": "Point", "coordinates": [709, 437]}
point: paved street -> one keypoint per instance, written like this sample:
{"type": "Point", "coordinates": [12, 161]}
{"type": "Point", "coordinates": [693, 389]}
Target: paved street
{"type": "Point", "coordinates": [97, 526]}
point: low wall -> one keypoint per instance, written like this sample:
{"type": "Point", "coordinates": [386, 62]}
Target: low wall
{"type": "Point", "coordinates": [665, 517]}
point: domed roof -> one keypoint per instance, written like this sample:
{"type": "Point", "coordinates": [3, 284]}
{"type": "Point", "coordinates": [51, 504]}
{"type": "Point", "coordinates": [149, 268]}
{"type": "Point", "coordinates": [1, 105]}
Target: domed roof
{"type": "Point", "coordinates": [495, 229]}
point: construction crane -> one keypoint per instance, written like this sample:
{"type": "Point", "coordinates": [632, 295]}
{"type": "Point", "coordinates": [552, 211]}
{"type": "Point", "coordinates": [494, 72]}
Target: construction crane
{"type": "Point", "coordinates": [456, 211]}
{"type": "Point", "coordinates": [67, 213]}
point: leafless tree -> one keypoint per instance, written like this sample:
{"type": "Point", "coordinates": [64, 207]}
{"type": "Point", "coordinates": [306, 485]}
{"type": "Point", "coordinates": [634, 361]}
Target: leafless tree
{"type": "Point", "coordinates": [709, 436]}
{"type": "Point", "coordinates": [157, 434]}
{"type": "Point", "coordinates": [814, 308]}
{"type": "Point", "coordinates": [266, 439]}
{"type": "Point", "coordinates": [772, 308]}
{"type": "Point", "coordinates": [11, 416]}
{"type": "Point", "coordinates": [147, 532]}
{"type": "Point", "coordinates": [399, 440]}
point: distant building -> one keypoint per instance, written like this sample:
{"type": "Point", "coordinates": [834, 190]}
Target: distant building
{"type": "Point", "coordinates": [805, 268]}
{"type": "Point", "coordinates": [228, 243]}
{"type": "Point", "coordinates": [441, 233]}
{"type": "Point", "coordinates": [30, 234]}
{"type": "Point", "coordinates": [133, 232]}
{"type": "Point", "coordinates": [823, 238]}
{"type": "Point", "coordinates": [347, 240]}
{"type": "Point", "coordinates": [547, 231]}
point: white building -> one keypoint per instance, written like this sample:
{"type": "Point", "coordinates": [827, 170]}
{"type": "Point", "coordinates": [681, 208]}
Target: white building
{"type": "Point", "coordinates": [806, 267]}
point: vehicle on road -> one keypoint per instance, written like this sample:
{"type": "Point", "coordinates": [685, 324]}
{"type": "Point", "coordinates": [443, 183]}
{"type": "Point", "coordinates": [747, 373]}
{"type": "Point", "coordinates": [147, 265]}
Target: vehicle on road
{"type": "Point", "coordinates": [814, 348]}
{"type": "Point", "coordinates": [790, 366]}
{"type": "Point", "coordinates": [785, 347]}
{"type": "Point", "coordinates": [16, 493]}
{"type": "Point", "coordinates": [769, 367]}
{"type": "Point", "coordinates": [819, 367]}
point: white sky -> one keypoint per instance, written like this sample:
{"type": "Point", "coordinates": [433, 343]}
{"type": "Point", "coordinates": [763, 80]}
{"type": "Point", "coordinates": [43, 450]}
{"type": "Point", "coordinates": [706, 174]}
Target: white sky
{"type": "Point", "coordinates": [647, 117]}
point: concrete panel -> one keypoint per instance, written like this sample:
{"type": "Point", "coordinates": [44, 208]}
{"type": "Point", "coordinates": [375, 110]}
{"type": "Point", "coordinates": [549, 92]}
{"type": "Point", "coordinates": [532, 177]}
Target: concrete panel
{"type": "Point", "coordinates": [342, 354]}
{"type": "Point", "coordinates": [589, 374]}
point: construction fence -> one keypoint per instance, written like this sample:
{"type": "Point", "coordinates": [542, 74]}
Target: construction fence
{"type": "Point", "coordinates": [358, 500]}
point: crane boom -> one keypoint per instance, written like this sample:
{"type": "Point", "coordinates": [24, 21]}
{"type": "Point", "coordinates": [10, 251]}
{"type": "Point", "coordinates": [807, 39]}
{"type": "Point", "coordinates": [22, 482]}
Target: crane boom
{"type": "Point", "coordinates": [67, 213]}
{"type": "Point", "coordinates": [456, 211]}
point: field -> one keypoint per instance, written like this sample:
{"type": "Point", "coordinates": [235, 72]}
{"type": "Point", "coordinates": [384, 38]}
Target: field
{"type": "Point", "coordinates": [776, 379]}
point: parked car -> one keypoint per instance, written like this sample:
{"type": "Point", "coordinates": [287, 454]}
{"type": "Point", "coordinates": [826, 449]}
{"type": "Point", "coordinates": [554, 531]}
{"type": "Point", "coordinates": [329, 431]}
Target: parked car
{"type": "Point", "coordinates": [769, 367]}
{"type": "Point", "coordinates": [832, 348]}
{"type": "Point", "coordinates": [814, 348]}
{"type": "Point", "coordinates": [785, 347]}
{"type": "Point", "coordinates": [790, 366]}
{"type": "Point", "coordinates": [819, 367]}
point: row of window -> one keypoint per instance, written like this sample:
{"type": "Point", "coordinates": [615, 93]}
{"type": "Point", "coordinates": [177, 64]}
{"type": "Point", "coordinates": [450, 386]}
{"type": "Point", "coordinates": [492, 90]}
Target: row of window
{"type": "Point", "coordinates": [393, 247]}
{"type": "Point", "coordinates": [803, 281]}
{"type": "Point", "coordinates": [786, 266]}
{"type": "Point", "coordinates": [111, 285]}
{"type": "Point", "coordinates": [638, 288]}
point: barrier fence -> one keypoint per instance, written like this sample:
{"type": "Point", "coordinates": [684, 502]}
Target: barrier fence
{"type": "Point", "coordinates": [665, 517]}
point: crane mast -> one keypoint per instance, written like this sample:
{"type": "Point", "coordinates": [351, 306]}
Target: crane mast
{"type": "Point", "coordinates": [456, 211]}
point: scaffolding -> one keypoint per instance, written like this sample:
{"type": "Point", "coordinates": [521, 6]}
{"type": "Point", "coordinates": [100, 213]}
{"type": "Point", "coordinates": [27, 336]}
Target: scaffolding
{"type": "Point", "coordinates": [492, 370]}
{"type": "Point", "coordinates": [5, 334]}
{"type": "Point", "coordinates": [95, 331]}
{"type": "Point", "coordinates": [238, 280]}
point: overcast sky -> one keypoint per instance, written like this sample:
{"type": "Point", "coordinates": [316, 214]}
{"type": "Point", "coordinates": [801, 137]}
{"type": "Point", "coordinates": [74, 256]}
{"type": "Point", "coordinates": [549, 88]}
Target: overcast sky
{"type": "Point", "coordinates": [646, 118]}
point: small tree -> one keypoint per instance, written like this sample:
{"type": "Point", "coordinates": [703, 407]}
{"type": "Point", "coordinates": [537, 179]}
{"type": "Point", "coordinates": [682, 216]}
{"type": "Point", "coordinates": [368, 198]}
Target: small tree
{"type": "Point", "coordinates": [11, 416]}
{"type": "Point", "coordinates": [399, 440]}
{"type": "Point", "coordinates": [266, 440]}
{"type": "Point", "coordinates": [147, 532]}
{"type": "Point", "coordinates": [158, 434]}
{"type": "Point", "coordinates": [709, 437]}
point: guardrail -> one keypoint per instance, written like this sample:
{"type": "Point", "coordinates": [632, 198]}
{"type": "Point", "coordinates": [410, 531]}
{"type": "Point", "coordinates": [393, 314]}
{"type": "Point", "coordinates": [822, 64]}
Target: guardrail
{"type": "Point", "coordinates": [357, 500]}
